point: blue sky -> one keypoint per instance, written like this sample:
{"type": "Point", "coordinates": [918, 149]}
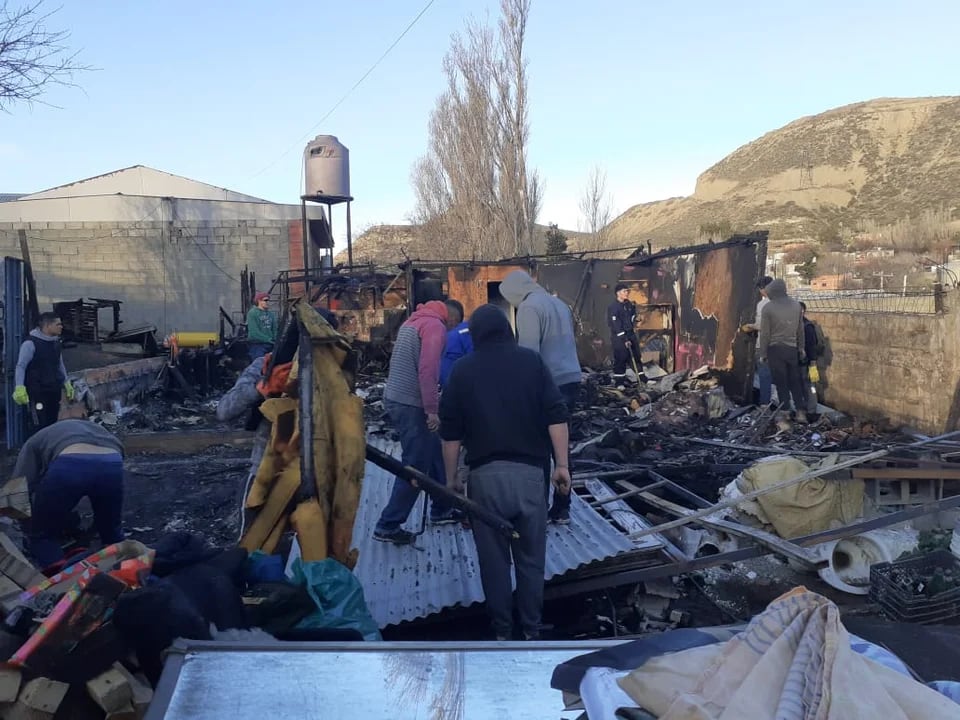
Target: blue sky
{"type": "Point", "coordinates": [655, 92]}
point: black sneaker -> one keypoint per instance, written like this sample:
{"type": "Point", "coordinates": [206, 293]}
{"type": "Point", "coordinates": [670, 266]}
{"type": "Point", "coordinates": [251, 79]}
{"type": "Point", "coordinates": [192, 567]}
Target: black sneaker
{"type": "Point", "coordinates": [560, 518]}
{"type": "Point", "coordinates": [450, 517]}
{"type": "Point", "coordinates": [397, 537]}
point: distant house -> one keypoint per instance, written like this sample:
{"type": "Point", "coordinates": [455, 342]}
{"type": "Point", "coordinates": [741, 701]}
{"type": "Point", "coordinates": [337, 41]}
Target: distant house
{"type": "Point", "coordinates": [170, 248]}
{"type": "Point", "coordinates": [840, 281]}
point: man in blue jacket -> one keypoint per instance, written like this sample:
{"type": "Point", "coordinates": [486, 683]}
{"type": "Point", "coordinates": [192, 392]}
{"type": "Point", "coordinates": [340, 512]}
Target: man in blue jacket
{"type": "Point", "coordinates": [459, 342]}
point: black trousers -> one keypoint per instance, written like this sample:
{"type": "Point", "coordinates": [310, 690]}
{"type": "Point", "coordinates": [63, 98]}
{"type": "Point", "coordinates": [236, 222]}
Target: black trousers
{"type": "Point", "coordinates": [622, 353]}
{"type": "Point", "coordinates": [561, 502]}
{"type": "Point", "coordinates": [50, 410]}
{"type": "Point", "coordinates": [784, 362]}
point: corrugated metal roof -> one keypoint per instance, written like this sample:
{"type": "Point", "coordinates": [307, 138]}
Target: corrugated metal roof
{"type": "Point", "coordinates": [404, 583]}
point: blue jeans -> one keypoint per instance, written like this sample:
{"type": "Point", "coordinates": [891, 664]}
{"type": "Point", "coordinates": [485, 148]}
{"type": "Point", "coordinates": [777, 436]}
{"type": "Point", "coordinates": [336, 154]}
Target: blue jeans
{"type": "Point", "coordinates": [68, 479]}
{"type": "Point", "coordinates": [765, 383]}
{"type": "Point", "coordinates": [258, 350]}
{"type": "Point", "coordinates": [421, 450]}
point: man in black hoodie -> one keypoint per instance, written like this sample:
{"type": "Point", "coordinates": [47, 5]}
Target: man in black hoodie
{"type": "Point", "coordinates": [502, 405]}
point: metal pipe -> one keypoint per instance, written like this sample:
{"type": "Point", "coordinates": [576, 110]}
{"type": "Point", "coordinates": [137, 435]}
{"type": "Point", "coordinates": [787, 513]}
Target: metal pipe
{"type": "Point", "coordinates": [437, 490]}
{"type": "Point", "coordinates": [308, 484]}
{"type": "Point", "coordinates": [305, 237]}
{"type": "Point", "coordinates": [349, 237]}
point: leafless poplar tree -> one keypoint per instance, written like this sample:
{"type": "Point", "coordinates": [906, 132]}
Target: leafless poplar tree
{"type": "Point", "coordinates": [32, 57]}
{"type": "Point", "coordinates": [476, 195]}
{"type": "Point", "coordinates": [595, 206]}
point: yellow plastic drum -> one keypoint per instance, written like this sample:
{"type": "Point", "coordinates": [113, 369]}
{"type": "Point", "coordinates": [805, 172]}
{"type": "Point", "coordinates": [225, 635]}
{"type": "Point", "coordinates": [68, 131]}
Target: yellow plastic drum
{"type": "Point", "coordinates": [196, 339]}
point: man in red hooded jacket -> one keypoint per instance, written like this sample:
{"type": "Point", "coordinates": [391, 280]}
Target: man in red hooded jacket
{"type": "Point", "coordinates": [412, 401]}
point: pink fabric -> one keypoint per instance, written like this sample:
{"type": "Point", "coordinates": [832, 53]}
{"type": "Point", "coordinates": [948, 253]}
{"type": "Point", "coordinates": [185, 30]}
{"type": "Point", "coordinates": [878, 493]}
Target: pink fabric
{"type": "Point", "coordinates": [430, 321]}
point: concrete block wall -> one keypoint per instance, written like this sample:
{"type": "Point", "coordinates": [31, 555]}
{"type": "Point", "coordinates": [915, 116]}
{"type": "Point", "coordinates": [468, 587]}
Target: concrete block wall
{"type": "Point", "coordinates": [174, 275]}
{"type": "Point", "coordinates": [895, 365]}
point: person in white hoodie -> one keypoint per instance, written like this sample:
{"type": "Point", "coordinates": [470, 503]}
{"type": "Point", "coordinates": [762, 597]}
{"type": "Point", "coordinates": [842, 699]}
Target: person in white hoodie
{"type": "Point", "coordinates": [40, 376]}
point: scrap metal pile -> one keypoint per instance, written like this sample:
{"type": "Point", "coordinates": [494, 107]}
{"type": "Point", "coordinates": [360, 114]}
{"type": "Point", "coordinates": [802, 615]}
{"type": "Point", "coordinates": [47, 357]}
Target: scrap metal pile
{"type": "Point", "coordinates": [672, 457]}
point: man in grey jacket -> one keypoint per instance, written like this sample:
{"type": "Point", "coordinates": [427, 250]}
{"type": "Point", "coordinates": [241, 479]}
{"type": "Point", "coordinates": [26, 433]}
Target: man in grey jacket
{"type": "Point", "coordinates": [781, 346]}
{"type": "Point", "coordinates": [63, 463]}
{"type": "Point", "coordinates": [545, 325]}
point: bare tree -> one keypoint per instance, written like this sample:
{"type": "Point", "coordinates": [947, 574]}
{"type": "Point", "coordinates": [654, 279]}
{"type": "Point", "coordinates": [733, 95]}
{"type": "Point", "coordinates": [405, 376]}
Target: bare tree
{"type": "Point", "coordinates": [595, 206]}
{"type": "Point", "coordinates": [32, 57]}
{"type": "Point", "coordinates": [476, 196]}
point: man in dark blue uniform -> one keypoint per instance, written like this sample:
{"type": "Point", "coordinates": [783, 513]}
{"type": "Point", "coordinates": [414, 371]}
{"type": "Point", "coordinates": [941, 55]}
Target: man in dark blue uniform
{"type": "Point", "coordinates": [621, 316]}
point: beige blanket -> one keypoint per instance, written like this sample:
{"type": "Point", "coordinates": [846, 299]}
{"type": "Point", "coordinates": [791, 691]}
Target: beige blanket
{"type": "Point", "coordinates": [793, 662]}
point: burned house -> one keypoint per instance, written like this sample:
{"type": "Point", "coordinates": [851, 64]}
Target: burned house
{"type": "Point", "coordinates": [691, 300]}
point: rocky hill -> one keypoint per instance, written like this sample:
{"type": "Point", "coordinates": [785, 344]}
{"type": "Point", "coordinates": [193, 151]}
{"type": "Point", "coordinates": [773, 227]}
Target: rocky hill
{"type": "Point", "coordinates": [879, 161]}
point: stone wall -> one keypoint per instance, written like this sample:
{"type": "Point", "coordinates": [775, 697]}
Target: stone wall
{"type": "Point", "coordinates": [900, 366]}
{"type": "Point", "coordinates": [174, 275]}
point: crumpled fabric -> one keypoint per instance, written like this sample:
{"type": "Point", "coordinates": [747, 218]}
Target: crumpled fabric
{"type": "Point", "coordinates": [805, 508]}
{"type": "Point", "coordinates": [793, 662]}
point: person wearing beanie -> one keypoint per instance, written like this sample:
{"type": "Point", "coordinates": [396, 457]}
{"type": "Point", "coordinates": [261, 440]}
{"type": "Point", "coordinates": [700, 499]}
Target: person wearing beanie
{"type": "Point", "coordinates": [261, 326]}
{"type": "Point", "coordinates": [502, 405]}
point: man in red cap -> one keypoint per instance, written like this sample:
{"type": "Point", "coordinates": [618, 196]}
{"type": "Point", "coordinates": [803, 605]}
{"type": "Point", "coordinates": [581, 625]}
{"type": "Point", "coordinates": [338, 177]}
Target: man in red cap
{"type": "Point", "coordinates": [261, 327]}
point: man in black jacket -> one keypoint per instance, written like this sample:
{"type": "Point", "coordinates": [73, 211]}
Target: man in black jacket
{"type": "Point", "coordinates": [621, 316]}
{"type": "Point", "coordinates": [502, 405]}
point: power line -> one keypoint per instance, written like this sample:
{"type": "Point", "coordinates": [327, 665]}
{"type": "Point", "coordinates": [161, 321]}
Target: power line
{"type": "Point", "coordinates": [348, 93]}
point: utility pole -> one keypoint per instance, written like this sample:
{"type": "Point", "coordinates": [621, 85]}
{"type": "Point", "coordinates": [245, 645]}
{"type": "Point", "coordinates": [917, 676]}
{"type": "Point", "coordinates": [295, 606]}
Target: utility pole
{"type": "Point", "coordinates": [882, 275]}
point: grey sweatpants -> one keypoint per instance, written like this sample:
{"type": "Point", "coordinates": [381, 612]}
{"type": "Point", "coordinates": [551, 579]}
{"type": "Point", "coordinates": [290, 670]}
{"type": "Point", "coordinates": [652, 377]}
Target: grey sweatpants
{"type": "Point", "coordinates": [513, 491]}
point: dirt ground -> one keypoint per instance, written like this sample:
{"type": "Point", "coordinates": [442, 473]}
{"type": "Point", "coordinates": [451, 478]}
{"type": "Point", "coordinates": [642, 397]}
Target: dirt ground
{"type": "Point", "coordinates": [199, 493]}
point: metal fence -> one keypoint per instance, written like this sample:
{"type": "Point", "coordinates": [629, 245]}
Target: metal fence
{"type": "Point", "coordinates": [915, 301]}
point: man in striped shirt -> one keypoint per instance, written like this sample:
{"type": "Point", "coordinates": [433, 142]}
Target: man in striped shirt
{"type": "Point", "coordinates": [412, 401]}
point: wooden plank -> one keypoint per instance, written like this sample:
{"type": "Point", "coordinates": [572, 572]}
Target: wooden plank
{"type": "Point", "coordinates": [622, 514]}
{"type": "Point", "coordinates": [41, 694]}
{"type": "Point", "coordinates": [111, 691]}
{"type": "Point", "coordinates": [33, 308]}
{"type": "Point", "coordinates": [9, 684]}
{"type": "Point", "coordinates": [15, 499]}
{"type": "Point", "coordinates": [629, 493]}
{"type": "Point", "coordinates": [142, 692]}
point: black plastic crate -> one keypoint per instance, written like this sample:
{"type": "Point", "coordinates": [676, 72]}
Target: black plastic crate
{"type": "Point", "coordinates": [899, 601]}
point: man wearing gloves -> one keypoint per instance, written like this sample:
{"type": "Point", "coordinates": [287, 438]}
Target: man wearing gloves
{"type": "Point", "coordinates": [545, 325]}
{"type": "Point", "coordinates": [621, 316]}
{"type": "Point", "coordinates": [261, 326]}
{"type": "Point", "coordinates": [40, 376]}
{"type": "Point", "coordinates": [502, 405]}
{"type": "Point", "coordinates": [781, 345]}
{"type": "Point", "coordinates": [412, 401]}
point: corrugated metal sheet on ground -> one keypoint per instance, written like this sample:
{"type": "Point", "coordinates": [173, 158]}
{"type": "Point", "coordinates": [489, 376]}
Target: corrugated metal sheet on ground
{"type": "Point", "coordinates": [403, 583]}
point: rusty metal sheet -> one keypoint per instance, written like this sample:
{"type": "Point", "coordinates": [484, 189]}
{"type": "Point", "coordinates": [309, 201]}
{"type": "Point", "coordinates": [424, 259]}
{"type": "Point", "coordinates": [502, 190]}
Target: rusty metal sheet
{"type": "Point", "coordinates": [587, 286]}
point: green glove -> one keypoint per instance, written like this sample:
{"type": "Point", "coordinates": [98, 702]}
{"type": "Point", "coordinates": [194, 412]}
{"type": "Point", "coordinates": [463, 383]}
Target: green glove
{"type": "Point", "coordinates": [68, 386]}
{"type": "Point", "coordinates": [20, 396]}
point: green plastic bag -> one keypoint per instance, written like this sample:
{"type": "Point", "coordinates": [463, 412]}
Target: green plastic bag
{"type": "Point", "coordinates": [338, 596]}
